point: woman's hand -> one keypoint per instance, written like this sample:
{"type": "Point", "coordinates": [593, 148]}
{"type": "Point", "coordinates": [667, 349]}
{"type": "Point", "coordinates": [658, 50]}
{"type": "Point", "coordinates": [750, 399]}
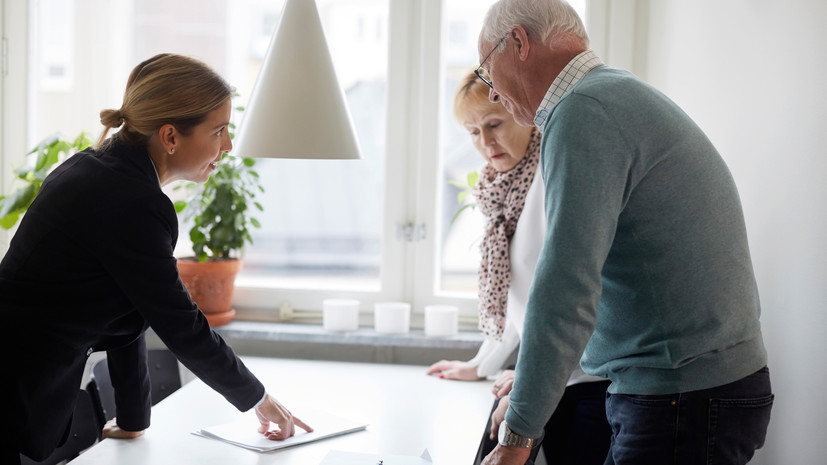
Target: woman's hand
{"type": "Point", "coordinates": [503, 384]}
{"type": "Point", "coordinates": [454, 369]}
{"type": "Point", "coordinates": [112, 430]}
{"type": "Point", "coordinates": [272, 410]}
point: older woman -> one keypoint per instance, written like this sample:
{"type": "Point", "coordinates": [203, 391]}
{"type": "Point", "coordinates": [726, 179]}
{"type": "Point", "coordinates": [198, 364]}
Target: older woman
{"type": "Point", "coordinates": [91, 267]}
{"type": "Point", "coordinates": [510, 194]}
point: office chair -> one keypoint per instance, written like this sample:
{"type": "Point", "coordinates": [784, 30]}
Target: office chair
{"type": "Point", "coordinates": [164, 379]}
{"type": "Point", "coordinates": [83, 433]}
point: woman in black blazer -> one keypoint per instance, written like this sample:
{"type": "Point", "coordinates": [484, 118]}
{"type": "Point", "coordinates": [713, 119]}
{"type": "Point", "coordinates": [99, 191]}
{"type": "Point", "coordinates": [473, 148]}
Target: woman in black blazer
{"type": "Point", "coordinates": [91, 267]}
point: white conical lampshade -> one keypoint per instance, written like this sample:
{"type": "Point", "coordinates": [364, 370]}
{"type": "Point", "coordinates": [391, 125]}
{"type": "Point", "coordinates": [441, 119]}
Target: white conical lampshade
{"type": "Point", "coordinates": [297, 108]}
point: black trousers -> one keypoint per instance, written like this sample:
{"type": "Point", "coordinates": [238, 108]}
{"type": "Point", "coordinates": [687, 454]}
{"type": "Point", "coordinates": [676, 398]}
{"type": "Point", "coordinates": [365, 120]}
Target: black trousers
{"type": "Point", "coordinates": [577, 433]}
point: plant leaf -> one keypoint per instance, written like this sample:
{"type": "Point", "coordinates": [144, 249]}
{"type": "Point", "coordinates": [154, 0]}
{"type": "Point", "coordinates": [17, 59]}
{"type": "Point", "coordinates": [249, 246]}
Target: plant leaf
{"type": "Point", "coordinates": [19, 200]}
{"type": "Point", "coordinates": [6, 222]}
{"type": "Point", "coordinates": [47, 141]}
{"type": "Point", "coordinates": [456, 215]}
{"type": "Point", "coordinates": [82, 141]}
{"type": "Point", "coordinates": [473, 177]}
{"type": "Point", "coordinates": [48, 158]}
{"type": "Point", "coordinates": [23, 172]}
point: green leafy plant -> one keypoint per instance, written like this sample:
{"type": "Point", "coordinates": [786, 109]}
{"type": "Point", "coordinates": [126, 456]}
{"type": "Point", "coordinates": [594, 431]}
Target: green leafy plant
{"type": "Point", "coordinates": [39, 163]}
{"type": "Point", "coordinates": [221, 209]}
{"type": "Point", "coordinates": [466, 190]}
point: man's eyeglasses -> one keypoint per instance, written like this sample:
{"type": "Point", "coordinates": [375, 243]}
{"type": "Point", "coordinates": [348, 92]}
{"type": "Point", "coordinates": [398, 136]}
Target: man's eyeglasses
{"type": "Point", "coordinates": [479, 71]}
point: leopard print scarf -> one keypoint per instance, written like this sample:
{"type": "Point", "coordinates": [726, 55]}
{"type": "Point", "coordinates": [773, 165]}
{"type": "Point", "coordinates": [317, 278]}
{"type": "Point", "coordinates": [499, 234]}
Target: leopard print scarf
{"type": "Point", "coordinates": [501, 197]}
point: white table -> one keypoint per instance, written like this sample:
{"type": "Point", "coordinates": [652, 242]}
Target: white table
{"type": "Point", "coordinates": [407, 411]}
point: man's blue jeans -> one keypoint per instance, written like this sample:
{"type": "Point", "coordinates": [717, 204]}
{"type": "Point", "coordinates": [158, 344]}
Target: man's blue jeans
{"type": "Point", "coordinates": [721, 426]}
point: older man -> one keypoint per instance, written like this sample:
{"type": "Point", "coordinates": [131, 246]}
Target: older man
{"type": "Point", "coordinates": [645, 271]}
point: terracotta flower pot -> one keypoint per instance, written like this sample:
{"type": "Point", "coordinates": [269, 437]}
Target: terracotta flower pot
{"type": "Point", "coordinates": [211, 285]}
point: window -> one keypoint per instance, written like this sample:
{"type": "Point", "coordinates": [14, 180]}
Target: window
{"type": "Point", "coordinates": [377, 229]}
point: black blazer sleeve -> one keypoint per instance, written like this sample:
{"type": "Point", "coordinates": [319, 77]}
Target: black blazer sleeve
{"type": "Point", "coordinates": [130, 378]}
{"type": "Point", "coordinates": [136, 247]}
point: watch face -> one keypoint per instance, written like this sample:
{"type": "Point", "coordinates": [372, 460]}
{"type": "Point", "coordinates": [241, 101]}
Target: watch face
{"type": "Point", "coordinates": [501, 434]}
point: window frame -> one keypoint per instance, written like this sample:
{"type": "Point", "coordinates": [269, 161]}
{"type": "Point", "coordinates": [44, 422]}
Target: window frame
{"type": "Point", "coordinates": [14, 94]}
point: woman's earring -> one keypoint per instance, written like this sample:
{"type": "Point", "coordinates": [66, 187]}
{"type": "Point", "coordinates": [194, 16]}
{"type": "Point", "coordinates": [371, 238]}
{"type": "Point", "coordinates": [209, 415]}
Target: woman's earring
{"type": "Point", "coordinates": [172, 151]}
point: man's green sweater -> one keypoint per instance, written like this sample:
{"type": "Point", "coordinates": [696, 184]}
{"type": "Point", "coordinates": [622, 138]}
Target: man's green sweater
{"type": "Point", "coordinates": [645, 268]}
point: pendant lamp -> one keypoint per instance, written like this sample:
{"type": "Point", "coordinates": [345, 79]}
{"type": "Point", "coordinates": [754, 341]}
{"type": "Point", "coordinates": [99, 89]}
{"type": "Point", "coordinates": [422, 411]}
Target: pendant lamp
{"type": "Point", "coordinates": [297, 108]}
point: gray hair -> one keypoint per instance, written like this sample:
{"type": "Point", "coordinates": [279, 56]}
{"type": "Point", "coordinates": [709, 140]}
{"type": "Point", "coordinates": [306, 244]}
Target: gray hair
{"type": "Point", "coordinates": [543, 19]}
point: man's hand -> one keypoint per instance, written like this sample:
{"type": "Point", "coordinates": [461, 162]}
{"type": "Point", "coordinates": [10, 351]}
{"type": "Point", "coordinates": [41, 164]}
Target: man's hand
{"type": "Point", "coordinates": [498, 417]}
{"type": "Point", "coordinates": [502, 455]}
{"type": "Point", "coordinates": [112, 430]}
{"type": "Point", "coordinates": [503, 384]}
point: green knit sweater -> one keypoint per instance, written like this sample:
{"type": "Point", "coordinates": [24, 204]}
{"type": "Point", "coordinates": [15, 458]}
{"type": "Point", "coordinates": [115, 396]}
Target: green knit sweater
{"type": "Point", "coordinates": [645, 263]}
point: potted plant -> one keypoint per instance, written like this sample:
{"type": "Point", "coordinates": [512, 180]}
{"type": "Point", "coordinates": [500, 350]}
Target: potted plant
{"type": "Point", "coordinates": [40, 161]}
{"type": "Point", "coordinates": [220, 212]}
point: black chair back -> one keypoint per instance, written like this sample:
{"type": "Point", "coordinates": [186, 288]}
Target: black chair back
{"type": "Point", "coordinates": [102, 392]}
{"type": "Point", "coordinates": [164, 379]}
{"type": "Point", "coordinates": [163, 374]}
{"type": "Point", "coordinates": [83, 433]}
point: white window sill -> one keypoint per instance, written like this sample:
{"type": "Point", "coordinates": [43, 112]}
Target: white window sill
{"type": "Point", "coordinates": [310, 333]}
{"type": "Point", "coordinates": [312, 341]}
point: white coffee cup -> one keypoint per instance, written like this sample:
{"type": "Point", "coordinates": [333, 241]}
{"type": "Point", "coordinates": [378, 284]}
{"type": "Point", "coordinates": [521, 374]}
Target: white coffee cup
{"type": "Point", "coordinates": [392, 317]}
{"type": "Point", "coordinates": [441, 320]}
{"type": "Point", "coordinates": [340, 314]}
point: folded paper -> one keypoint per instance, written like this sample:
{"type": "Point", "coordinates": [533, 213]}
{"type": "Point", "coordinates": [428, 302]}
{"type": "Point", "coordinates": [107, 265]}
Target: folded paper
{"type": "Point", "coordinates": [244, 433]}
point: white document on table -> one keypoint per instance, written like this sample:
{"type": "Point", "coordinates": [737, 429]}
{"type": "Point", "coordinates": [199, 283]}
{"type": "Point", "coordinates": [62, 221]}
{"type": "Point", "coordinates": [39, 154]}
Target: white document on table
{"type": "Point", "coordinates": [244, 432]}
{"type": "Point", "coordinates": [337, 457]}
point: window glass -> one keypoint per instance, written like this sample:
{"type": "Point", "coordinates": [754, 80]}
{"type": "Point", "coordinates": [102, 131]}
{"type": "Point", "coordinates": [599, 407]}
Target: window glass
{"type": "Point", "coordinates": [459, 254]}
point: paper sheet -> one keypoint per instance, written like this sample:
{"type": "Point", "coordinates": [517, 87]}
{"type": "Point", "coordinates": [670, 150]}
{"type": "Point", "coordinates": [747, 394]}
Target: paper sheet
{"type": "Point", "coordinates": [337, 457]}
{"type": "Point", "coordinates": [243, 432]}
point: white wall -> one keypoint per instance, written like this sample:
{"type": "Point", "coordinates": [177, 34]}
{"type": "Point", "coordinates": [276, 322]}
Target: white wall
{"type": "Point", "coordinates": [752, 74]}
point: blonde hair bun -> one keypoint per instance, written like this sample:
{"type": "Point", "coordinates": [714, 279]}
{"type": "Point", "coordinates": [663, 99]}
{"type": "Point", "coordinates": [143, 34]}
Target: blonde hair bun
{"type": "Point", "coordinates": [112, 118]}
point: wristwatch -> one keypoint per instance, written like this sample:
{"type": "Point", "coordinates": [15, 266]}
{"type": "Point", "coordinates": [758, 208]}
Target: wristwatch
{"type": "Point", "coordinates": [510, 438]}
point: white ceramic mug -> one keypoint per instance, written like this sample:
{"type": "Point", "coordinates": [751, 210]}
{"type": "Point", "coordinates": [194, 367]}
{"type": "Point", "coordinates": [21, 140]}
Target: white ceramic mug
{"type": "Point", "coordinates": [392, 317]}
{"type": "Point", "coordinates": [340, 314]}
{"type": "Point", "coordinates": [441, 320]}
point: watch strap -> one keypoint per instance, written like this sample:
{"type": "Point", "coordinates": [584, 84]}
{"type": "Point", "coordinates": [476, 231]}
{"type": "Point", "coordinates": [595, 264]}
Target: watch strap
{"type": "Point", "coordinates": [511, 439]}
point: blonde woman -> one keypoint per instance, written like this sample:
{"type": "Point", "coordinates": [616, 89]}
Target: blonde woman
{"type": "Point", "coordinates": [91, 267]}
{"type": "Point", "coordinates": [510, 194]}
